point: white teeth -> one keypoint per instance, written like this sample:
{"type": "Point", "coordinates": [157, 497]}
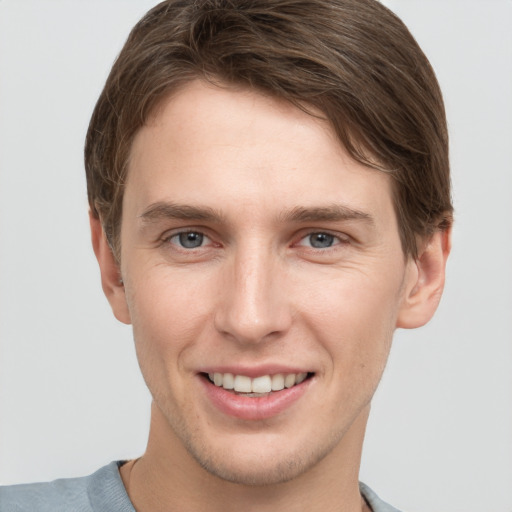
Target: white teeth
{"type": "Point", "coordinates": [289, 380]}
{"type": "Point", "coordinates": [228, 381]}
{"type": "Point", "coordinates": [277, 382]}
{"type": "Point", "coordinates": [261, 385]}
{"type": "Point", "coordinates": [217, 379]}
{"type": "Point", "coordinates": [243, 384]}
{"type": "Point", "coordinates": [300, 378]}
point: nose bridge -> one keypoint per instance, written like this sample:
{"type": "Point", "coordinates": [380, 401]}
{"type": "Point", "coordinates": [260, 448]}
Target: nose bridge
{"type": "Point", "coordinates": [253, 305]}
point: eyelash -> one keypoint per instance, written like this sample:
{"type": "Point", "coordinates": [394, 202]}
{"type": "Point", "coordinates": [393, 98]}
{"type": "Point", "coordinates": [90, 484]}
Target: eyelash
{"type": "Point", "coordinates": [337, 240]}
{"type": "Point", "coordinates": [168, 238]}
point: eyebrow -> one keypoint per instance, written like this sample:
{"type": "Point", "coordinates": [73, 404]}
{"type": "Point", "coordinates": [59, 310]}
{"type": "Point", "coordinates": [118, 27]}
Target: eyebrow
{"type": "Point", "coordinates": [331, 213]}
{"type": "Point", "coordinates": [166, 210]}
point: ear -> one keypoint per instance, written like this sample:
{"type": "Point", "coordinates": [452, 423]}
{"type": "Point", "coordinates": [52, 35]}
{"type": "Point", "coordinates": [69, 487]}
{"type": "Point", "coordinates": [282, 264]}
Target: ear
{"type": "Point", "coordinates": [111, 281]}
{"type": "Point", "coordinates": [425, 281]}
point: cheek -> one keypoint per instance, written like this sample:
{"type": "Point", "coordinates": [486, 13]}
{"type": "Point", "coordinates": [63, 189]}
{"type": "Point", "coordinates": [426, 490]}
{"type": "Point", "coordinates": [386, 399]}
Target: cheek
{"type": "Point", "coordinates": [167, 302]}
{"type": "Point", "coordinates": [168, 317]}
{"type": "Point", "coordinates": [354, 317]}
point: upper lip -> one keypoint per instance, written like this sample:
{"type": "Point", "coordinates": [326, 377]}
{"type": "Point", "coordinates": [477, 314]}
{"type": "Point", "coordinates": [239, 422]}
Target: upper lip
{"type": "Point", "coordinates": [255, 371]}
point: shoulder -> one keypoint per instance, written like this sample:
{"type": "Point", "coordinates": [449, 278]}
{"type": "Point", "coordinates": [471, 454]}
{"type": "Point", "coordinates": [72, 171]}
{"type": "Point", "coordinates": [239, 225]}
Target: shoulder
{"type": "Point", "coordinates": [376, 504]}
{"type": "Point", "coordinates": [103, 490]}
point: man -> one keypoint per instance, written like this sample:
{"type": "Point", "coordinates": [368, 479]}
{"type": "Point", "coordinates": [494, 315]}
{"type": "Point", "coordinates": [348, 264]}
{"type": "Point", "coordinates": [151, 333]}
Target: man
{"type": "Point", "coordinates": [270, 200]}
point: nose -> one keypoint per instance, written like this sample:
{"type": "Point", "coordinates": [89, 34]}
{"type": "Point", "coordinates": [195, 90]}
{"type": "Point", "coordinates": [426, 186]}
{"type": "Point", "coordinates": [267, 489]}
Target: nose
{"type": "Point", "coordinates": [253, 306]}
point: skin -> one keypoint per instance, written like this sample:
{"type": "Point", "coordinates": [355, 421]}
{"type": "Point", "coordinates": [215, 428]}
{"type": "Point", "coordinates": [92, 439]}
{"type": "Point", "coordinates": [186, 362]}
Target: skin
{"type": "Point", "coordinates": [263, 179]}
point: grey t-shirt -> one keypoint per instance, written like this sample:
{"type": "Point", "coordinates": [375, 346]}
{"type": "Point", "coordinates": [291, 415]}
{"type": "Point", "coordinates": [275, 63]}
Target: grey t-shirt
{"type": "Point", "coordinates": [100, 492]}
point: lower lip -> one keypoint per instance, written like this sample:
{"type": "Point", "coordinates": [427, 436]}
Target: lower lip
{"type": "Point", "coordinates": [253, 408]}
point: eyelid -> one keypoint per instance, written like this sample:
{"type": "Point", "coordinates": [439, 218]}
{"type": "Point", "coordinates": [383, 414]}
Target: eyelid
{"type": "Point", "coordinates": [341, 238]}
{"type": "Point", "coordinates": [168, 235]}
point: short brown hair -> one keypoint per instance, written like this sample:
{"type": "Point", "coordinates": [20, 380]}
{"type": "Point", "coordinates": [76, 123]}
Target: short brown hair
{"type": "Point", "coordinates": [353, 60]}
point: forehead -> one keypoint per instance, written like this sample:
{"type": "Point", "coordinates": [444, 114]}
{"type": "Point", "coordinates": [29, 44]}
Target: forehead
{"type": "Point", "coordinates": [226, 148]}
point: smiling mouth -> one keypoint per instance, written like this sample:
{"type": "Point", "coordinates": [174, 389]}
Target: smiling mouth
{"type": "Point", "coordinates": [259, 386]}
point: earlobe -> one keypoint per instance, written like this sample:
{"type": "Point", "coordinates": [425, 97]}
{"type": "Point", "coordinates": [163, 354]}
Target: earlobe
{"type": "Point", "coordinates": [111, 281]}
{"type": "Point", "coordinates": [425, 282]}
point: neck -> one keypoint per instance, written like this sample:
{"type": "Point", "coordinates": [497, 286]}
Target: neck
{"type": "Point", "coordinates": [167, 478]}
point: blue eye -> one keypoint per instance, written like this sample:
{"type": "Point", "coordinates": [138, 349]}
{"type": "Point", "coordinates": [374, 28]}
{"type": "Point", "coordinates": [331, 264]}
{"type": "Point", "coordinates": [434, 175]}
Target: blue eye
{"type": "Point", "coordinates": [188, 239]}
{"type": "Point", "coordinates": [321, 240]}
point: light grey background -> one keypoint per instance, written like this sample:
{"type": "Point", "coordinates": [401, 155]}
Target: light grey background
{"type": "Point", "coordinates": [71, 398]}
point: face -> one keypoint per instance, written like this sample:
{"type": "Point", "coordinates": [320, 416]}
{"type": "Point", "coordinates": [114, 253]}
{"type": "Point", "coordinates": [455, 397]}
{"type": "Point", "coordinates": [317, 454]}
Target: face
{"type": "Point", "coordinates": [263, 275]}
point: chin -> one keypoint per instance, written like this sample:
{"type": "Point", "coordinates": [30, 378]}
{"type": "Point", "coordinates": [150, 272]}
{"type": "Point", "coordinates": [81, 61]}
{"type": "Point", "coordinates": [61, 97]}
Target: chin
{"type": "Point", "coordinates": [257, 475]}
{"type": "Point", "coordinates": [258, 467]}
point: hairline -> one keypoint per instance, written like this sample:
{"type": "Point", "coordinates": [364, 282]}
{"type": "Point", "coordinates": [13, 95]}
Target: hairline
{"type": "Point", "coordinates": [160, 100]}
